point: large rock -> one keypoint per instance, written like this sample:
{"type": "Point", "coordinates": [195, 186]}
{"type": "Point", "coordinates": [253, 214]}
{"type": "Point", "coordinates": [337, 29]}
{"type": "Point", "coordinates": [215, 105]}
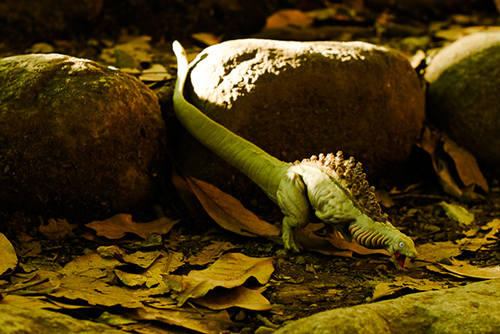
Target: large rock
{"type": "Point", "coordinates": [296, 99]}
{"type": "Point", "coordinates": [463, 98]}
{"type": "Point", "coordinates": [77, 139]}
{"type": "Point", "coordinates": [16, 320]}
{"type": "Point", "coordinates": [469, 309]}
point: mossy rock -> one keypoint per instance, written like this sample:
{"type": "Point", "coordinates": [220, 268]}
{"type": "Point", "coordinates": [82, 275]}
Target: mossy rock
{"type": "Point", "coordinates": [463, 97]}
{"type": "Point", "coordinates": [78, 140]}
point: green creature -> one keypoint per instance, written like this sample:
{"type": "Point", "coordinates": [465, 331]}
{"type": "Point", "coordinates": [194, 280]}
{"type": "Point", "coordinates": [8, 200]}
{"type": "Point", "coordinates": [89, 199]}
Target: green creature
{"type": "Point", "coordinates": [335, 189]}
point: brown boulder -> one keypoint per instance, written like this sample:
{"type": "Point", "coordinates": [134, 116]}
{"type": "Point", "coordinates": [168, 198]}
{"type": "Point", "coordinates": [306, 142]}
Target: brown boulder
{"type": "Point", "coordinates": [77, 139]}
{"type": "Point", "coordinates": [296, 99]}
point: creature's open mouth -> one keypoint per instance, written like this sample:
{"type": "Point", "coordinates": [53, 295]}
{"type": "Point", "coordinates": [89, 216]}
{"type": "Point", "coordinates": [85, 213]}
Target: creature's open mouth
{"type": "Point", "coordinates": [400, 258]}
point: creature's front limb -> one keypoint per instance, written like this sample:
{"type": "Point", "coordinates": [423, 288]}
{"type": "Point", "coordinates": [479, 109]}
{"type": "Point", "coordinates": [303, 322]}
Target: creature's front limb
{"type": "Point", "coordinates": [294, 203]}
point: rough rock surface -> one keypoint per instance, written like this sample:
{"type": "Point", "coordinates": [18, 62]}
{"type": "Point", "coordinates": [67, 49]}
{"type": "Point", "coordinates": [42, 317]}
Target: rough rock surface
{"type": "Point", "coordinates": [469, 309]}
{"type": "Point", "coordinates": [296, 99]}
{"type": "Point", "coordinates": [20, 320]}
{"type": "Point", "coordinates": [463, 98]}
{"type": "Point", "coordinates": [77, 139]}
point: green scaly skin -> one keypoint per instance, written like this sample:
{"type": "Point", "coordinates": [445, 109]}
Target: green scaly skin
{"type": "Point", "coordinates": [299, 189]}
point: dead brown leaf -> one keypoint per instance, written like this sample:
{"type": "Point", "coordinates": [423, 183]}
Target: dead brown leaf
{"type": "Point", "coordinates": [207, 38]}
{"type": "Point", "coordinates": [228, 212]}
{"type": "Point", "coordinates": [29, 302]}
{"type": "Point", "coordinates": [402, 282]}
{"type": "Point", "coordinates": [240, 296]}
{"type": "Point", "coordinates": [117, 226]}
{"type": "Point", "coordinates": [7, 254]}
{"type": "Point", "coordinates": [142, 259]}
{"type": "Point", "coordinates": [435, 252]}
{"type": "Point", "coordinates": [230, 271]}
{"type": "Point", "coordinates": [210, 253]}
{"type": "Point", "coordinates": [204, 321]}
{"type": "Point", "coordinates": [188, 196]}
{"type": "Point", "coordinates": [288, 17]}
{"type": "Point", "coordinates": [57, 229]}
{"type": "Point", "coordinates": [90, 265]}
{"type": "Point", "coordinates": [456, 168]}
{"type": "Point", "coordinates": [466, 165]}
{"type": "Point", "coordinates": [465, 269]}
{"type": "Point", "coordinates": [95, 292]}
{"type": "Point", "coordinates": [472, 243]}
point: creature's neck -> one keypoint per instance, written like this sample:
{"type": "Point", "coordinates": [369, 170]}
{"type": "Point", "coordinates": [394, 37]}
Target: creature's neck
{"type": "Point", "coordinates": [371, 234]}
{"type": "Point", "coordinates": [260, 167]}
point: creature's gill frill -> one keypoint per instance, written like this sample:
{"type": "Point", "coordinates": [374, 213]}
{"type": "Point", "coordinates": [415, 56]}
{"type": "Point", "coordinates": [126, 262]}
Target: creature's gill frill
{"type": "Point", "coordinates": [350, 175]}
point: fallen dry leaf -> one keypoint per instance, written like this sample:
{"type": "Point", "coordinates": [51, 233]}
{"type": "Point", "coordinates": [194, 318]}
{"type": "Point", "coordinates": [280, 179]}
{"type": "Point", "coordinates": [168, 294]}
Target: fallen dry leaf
{"type": "Point", "coordinates": [230, 271]}
{"type": "Point", "coordinates": [90, 265]}
{"type": "Point", "coordinates": [210, 253]}
{"type": "Point", "coordinates": [142, 259]}
{"type": "Point", "coordinates": [494, 225]}
{"type": "Point", "coordinates": [288, 17]}
{"type": "Point", "coordinates": [467, 270]}
{"type": "Point", "coordinates": [458, 213]}
{"type": "Point", "coordinates": [156, 72]}
{"type": "Point", "coordinates": [57, 229]}
{"type": "Point", "coordinates": [95, 292]}
{"type": "Point", "coordinates": [240, 296]}
{"type": "Point", "coordinates": [117, 226]}
{"type": "Point", "coordinates": [402, 282]}
{"type": "Point", "coordinates": [448, 160]}
{"type": "Point", "coordinates": [188, 196]}
{"type": "Point", "coordinates": [7, 254]}
{"type": "Point", "coordinates": [465, 164]}
{"type": "Point", "coordinates": [435, 252]}
{"type": "Point", "coordinates": [29, 302]}
{"type": "Point", "coordinates": [207, 38]}
{"type": "Point", "coordinates": [228, 212]}
{"type": "Point", "coordinates": [204, 321]}
{"type": "Point", "coordinates": [472, 243]}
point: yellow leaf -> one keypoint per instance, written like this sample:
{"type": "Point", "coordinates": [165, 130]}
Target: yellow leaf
{"type": "Point", "coordinates": [7, 254]}
{"type": "Point", "coordinates": [465, 269]}
{"type": "Point", "coordinates": [238, 297]}
{"type": "Point", "coordinates": [117, 226]}
{"type": "Point", "coordinates": [230, 271]}
{"type": "Point", "coordinates": [458, 213]}
{"type": "Point", "coordinates": [210, 253]}
{"type": "Point", "coordinates": [205, 321]}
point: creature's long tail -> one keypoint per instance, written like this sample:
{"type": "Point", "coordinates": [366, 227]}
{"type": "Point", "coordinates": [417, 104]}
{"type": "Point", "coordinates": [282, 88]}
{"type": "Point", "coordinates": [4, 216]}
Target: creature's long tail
{"type": "Point", "coordinates": [262, 168]}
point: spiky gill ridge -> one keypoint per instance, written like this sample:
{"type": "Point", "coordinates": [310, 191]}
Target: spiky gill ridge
{"type": "Point", "coordinates": [352, 181]}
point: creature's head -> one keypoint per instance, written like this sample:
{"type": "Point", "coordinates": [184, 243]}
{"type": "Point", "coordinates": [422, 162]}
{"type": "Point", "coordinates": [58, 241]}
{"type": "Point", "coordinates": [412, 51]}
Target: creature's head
{"type": "Point", "coordinates": [401, 247]}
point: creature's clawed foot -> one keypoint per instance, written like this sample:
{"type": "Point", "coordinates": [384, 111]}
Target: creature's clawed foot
{"type": "Point", "coordinates": [291, 245]}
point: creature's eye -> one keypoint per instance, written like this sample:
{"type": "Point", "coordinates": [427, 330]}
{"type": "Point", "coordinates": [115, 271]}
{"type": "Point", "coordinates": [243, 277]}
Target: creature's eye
{"type": "Point", "coordinates": [401, 244]}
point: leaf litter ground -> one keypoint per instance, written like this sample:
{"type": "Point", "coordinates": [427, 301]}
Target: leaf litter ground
{"type": "Point", "coordinates": [197, 276]}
